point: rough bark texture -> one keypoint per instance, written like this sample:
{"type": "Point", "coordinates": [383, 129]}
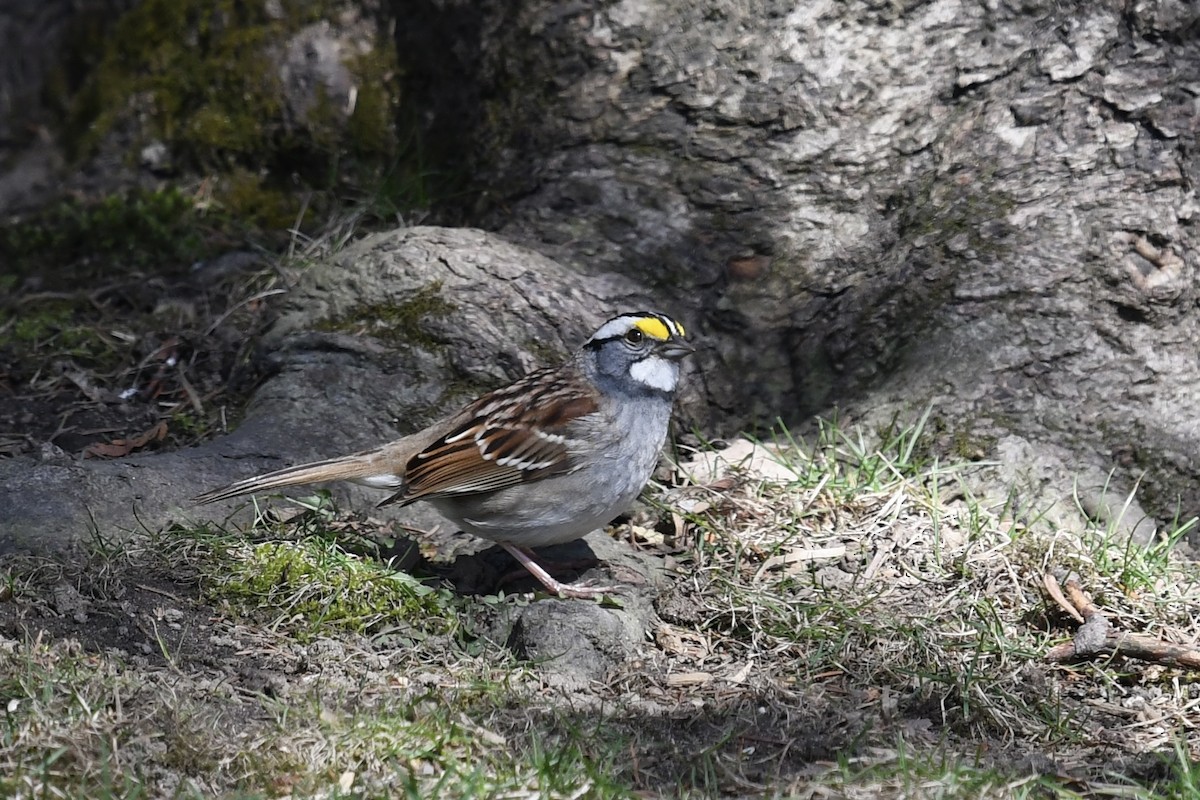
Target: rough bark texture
{"type": "Point", "coordinates": [988, 205]}
{"type": "Point", "coordinates": [30, 33]}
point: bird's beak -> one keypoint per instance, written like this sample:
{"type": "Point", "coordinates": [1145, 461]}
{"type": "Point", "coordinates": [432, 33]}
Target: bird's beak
{"type": "Point", "coordinates": [675, 349]}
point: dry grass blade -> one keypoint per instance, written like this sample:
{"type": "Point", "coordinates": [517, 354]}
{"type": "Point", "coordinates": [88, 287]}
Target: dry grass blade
{"type": "Point", "coordinates": [848, 621]}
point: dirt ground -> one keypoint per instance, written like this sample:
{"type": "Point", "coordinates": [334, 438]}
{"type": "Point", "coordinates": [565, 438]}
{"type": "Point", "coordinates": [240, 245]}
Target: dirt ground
{"type": "Point", "coordinates": [852, 661]}
{"type": "Point", "coordinates": [84, 367]}
{"type": "Point", "coordinates": [194, 666]}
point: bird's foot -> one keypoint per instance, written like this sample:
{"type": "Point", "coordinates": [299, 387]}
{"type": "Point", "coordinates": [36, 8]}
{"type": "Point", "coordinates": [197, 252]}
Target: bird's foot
{"type": "Point", "coordinates": [555, 587]}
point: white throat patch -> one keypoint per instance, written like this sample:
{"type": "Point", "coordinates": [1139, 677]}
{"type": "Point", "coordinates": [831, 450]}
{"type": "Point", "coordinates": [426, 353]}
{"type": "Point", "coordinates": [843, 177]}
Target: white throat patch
{"type": "Point", "coordinates": [655, 372]}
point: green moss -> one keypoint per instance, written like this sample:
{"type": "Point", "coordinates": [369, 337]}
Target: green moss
{"type": "Point", "coordinates": [203, 79]}
{"type": "Point", "coordinates": [247, 196]}
{"type": "Point", "coordinates": [543, 352]}
{"type": "Point", "coordinates": [970, 446]}
{"type": "Point", "coordinates": [53, 320]}
{"type": "Point", "coordinates": [197, 70]}
{"type": "Point", "coordinates": [319, 586]}
{"type": "Point", "coordinates": [189, 425]}
{"type": "Point", "coordinates": [957, 440]}
{"type": "Point", "coordinates": [372, 125]}
{"type": "Point", "coordinates": [54, 326]}
{"type": "Point", "coordinates": [78, 270]}
{"type": "Point", "coordinates": [119, 233]}
{"type": "Point", "coordinates": [397, 324]}
{"type": "Point", "coordinates": [939, 208]}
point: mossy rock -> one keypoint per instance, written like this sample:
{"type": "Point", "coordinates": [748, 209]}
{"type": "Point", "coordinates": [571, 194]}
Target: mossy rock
{"type": "Point", "coordinates": [396, 324]}
{"type": "Point", "coordinates": [222, 86]}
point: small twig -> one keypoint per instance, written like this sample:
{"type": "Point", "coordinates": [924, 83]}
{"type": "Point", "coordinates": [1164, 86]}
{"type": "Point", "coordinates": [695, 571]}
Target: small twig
{"type": "Point", "coordinates": [236, 306]}
{"type": "Point", "coordinates": [1081, 601]}
{"type": "Point", "coordinates": [1095, 637]}
{"type": "Point", "coordinates": [189, 390]}
{"type": "Point", "coordinates": [162, 592]}
{"type": "Point", "coordinates": [1131, 645]}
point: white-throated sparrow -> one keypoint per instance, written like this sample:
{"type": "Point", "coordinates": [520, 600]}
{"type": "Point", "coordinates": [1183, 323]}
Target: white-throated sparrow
{"type": "Point", "coordinates": [539, 462]}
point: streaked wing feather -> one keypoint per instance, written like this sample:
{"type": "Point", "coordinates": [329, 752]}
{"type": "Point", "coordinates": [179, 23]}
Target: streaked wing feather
{"type": "Point", "coordinates": [501, 442]}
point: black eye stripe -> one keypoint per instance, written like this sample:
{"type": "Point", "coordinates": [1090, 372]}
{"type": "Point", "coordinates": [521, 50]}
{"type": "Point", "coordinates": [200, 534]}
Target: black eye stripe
{"type": "Point", "coordinates": [596, 344]}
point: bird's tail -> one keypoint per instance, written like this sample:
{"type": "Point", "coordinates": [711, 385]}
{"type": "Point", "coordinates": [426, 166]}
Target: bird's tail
{"type": "Point", "coordinates": [370, 468]}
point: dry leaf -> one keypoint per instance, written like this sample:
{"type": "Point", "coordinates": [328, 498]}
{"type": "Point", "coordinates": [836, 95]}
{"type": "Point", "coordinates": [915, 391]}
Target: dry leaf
{"type": "Point", "coordinates": [118, 448]}
{"type": "Point", "coordinates": [742, 674]}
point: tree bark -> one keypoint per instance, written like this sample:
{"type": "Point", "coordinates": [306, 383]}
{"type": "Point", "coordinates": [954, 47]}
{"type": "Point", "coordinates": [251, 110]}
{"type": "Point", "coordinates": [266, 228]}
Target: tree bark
{"type": "Point", "coordinates": [873, 206]}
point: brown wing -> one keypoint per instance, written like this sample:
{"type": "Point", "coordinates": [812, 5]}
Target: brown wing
{"type": "Point", "coordinates": [503, 439]}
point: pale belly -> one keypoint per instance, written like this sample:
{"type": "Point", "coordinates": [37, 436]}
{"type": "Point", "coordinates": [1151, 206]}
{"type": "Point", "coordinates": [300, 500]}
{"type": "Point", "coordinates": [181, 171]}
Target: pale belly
{"type": "Point", "coordinates": [532, 519]}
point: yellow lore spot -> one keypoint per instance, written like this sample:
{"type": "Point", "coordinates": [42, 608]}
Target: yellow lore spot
{"type": "Point", "coordinates": [654, 327]}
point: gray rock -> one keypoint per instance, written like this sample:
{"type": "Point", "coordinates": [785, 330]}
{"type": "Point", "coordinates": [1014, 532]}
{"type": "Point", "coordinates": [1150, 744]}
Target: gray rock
{"type": "Point", "coordinates": [574, 643]}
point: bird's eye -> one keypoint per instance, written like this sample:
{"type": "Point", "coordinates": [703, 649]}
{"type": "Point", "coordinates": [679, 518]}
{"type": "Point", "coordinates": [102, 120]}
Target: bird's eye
{"type": "Point", "coordinates": [634, 336]}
